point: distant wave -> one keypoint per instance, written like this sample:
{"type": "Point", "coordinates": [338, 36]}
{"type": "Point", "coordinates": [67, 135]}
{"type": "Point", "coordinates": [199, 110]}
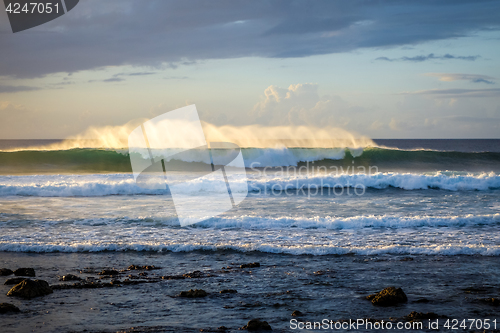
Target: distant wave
{"type": "Point", "coordinates": [98, 160]}
{"type": "Point", "coordinates": [123, 184]}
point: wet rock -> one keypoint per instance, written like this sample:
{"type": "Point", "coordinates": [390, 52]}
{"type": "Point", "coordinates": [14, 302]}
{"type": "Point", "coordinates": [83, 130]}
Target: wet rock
{"type": "Point", "coordinates": [257, 325]}
{"type": "Point", "coordinates": [388, 297]}
{"type": "Point", "coordinates": [476, 290]}
{"type": "Point", "coordinates": [173, 277]}
{"type": "Point", "coordinates": [193, 293]}
{"type": "Point", "coordinates": [419, 316]}
{"type": "Point", "coordinates": [407, 259]}
{"type": "Point", "coordinates": [195, 275]}
{"type": "Point", "coordinates": [492, 301]}
{"type": "Point", "coordinates": [192, 275]}
{"type": "Point", "coordinates": [7, 307]}
{"type": "Point", "coordinates": [14, 281]}
{"type": "Point", "coordinates": [222, 328]}
{"type": "Point", "coordinates": [148, 267]}
{"type": "Point", "coordinates": [422, 300]}
{"type": "Point", "coordinates": [5, 272]}
{"type": "Point", "coordinates": [297, 313]}
{"type": "Point", "coordinates": [70, 277]}
{"type": "Point", "coordinates": [251, 265]}
{"type": "Point", "coordinates": [30, 288]}
{"type": "Point", "coordinates": [83, 285]}
{"type": "Point", "coordinates": [25, 272]}
{"type": "Point", "coordinates": [228, 291]}
{"type": "Point", "coordinates": [109, 272]}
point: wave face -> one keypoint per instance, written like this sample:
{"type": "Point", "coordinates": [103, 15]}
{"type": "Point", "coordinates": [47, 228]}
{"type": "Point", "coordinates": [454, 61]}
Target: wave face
{"type": "Point", "coordinates": [112, 161]}
{"type": "Point", "coordinates": [123, 184]}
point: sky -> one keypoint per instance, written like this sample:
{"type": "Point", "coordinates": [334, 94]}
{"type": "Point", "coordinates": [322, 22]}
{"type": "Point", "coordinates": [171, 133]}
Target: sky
{"type": "Point", "coordinates": [381, 69]}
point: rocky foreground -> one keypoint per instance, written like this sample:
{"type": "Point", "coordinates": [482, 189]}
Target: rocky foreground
{"type": "Point", "coordinates": [26, 286]}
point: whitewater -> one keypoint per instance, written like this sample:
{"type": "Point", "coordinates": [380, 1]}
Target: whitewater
{"type": "Point", "coordinates": [385, 200]}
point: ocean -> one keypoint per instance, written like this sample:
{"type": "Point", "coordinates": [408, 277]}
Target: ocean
{"type": "Point", "coordinates": [308, 209]}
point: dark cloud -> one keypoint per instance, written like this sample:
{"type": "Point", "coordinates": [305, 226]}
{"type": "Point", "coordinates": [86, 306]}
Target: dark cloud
{"type": "Point", "coordinates": [430, 56]}
{"type": "Point", "coordinates": [111, 79]}
{"type": "Point", "coordinates": [474, 78]}
{"type": "Point", "coordinates": [134, 74]}
{"type": "Point", "coordinates": [161, 33]}
{"type": "Point", "coordinates": [455, 93]}
{"type": "Point", "coordinates": [14, 89]}
{"type": "Point", "coordinates": [482, 81]}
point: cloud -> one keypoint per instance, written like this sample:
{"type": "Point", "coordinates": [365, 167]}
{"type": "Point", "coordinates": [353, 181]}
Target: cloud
{"type": "Point", "coordinates": [430, 56]}
{"type": "Point", "coordinates": [111, 79]}
{"type": "Point", "coordinates": [301, 104]}
{"type": "Point", "coordinates": [456, 93]}
{"type": "Point", "coordinates": [474, 78]}
{"type": "Point", "coordinates": [135, 74]}
{"type": "Point", "coordinates": [160, 34]}
{"type": "Point", "coordinates": [14, 89]}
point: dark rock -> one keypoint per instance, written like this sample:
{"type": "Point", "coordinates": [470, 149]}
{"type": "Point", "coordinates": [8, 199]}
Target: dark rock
{"type": "Point", "coordinates": [194, 275]}
{"type": "Point", "coordinates": [5, 272]}
{"type": "Point", "coordinates": [419, 316]}
{"type": "Point", "coordinates": [173, 277]}
{"type": "Point", "coordinates": [257, 325]}
{"type": "Point", "coordinates": [134, 267]}
{"type": "Point", "coordinates": [388, 297]}
{"type": "Point", "coordinates": [25, 272]}
{"type": "Point", "coordinates": [251, 265]}
{"type": "Point", "coordinates": [148, 267]}
{"type": "Point", "coordinates": [222, 328]}
{"type": "Point", "coordinates": [6, 307]}
{"type": "Point", "coordinates": [492, 301]}
{"type": "Point", "coordinates": [228, 291]}
{"type": "Point", "coordinates": [422, 300]}
{"type": "Point", "coordinates": [193, 293]}
{"type": "Point", "coordinates": [83, 285]}
{"type": "Point", "coordinates": [30, 288]}
{"type": "Point", "coordinates": [70, 277]}
{"type": "Point", "coordinates": [14, 281]}
{"type": "Point", "coordinates": [407, 259]}
{"type": "Point", "coordinates": [109, 272]}
{"type": "Point", "coordinates": [297, 313]}
{"type": "Point", "coordinates": [475, 290]}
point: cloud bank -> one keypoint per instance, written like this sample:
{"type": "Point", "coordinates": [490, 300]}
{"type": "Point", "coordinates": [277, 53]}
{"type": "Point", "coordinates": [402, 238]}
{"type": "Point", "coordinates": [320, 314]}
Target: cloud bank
{"type": "Point", "coordinates": [161, 33]}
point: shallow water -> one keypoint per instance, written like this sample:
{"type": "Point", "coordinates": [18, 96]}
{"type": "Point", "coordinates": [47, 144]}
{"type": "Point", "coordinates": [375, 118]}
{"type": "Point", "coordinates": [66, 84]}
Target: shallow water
{"type": "Point", "coordinates": [283, 284]}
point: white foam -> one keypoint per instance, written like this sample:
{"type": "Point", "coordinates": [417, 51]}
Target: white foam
{"type": "Point", "coordinates": [449, 250]}
{"type": "Point", "coordinates": [123, 184]}
{"type": "Point", "coordinates": [406, 181]}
